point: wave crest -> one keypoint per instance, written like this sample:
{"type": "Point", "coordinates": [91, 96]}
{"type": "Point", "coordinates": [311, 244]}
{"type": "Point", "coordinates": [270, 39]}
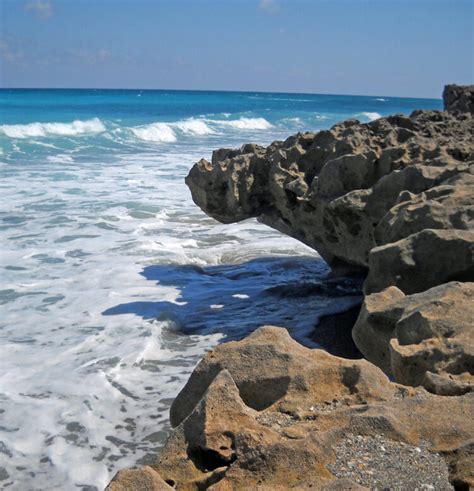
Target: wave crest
{"type": "Point", "coordinates": [194, 126]}
{"type": "Point", "coordinates": [36, 129]}
{"type": "Point", "coordinates": [248, 124]}
{"type": "Point", "coordinates": [371, 116]}
{"type": "Point", "coordinates": [155, 132]}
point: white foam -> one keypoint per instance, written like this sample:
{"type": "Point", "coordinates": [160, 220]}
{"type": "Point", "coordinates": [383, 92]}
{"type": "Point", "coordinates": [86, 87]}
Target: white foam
{"type": "Point", "coordinates": [61, 158]}
{"type": "Point", "coordinates": [194, 126]}
{"type": "Point", "coordinates": [98, 228]}
{"type": "Point", "coordinates": [381, 99]}
{"type": "Point", "coordinates": [155, 132]}
{"type": "Point", "coordinates": [247, 124]}
{"type": "Point", "coordinates": [36, 129]}
{"type": "Point", "coordinates": [162, 132]}
{"type": "Point", "coordinates": [291, 120]}
{"type": "Point", "coordinates": [371, 116]}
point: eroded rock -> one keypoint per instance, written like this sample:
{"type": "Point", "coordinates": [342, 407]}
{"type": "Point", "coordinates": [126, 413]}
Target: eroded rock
{"type": "Point", "coordinates": [327, 408]}
{"type": "Point", "coordinates": [333, 189]}
{"type": "Point", "coordinates": [140, 479]}
{"type": "Point", "coordinates": [421, 339]}
{"type": "Point", "coordinates": [394, 198]}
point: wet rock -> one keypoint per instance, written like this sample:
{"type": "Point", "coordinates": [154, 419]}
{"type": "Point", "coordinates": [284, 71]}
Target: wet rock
{"type": "Point", "coordinates": [334, 333]}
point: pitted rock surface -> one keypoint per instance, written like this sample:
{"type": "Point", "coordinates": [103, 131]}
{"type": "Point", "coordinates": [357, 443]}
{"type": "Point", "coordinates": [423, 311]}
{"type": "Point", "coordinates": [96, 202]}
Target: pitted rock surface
{"type": "Point", "coordinates": [394, 197]}
{"type": "Point", "coordinates": [334, 408]}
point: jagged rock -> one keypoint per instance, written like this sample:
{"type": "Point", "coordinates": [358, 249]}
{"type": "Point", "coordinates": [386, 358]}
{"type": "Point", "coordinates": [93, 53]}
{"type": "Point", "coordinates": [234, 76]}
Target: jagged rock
{"type": "Point", "coordinates": [332, 189]}
{"type": "Point", "coordinates": [394, 198]}
{"type": "Point", "coordinates": [326, 408]}
{"type": "Point", "coordinates": [422, 339]}
{"type": "Point", "coordinates": [448, 206]}
{"type": "Point", "coordinates": [459, 98]}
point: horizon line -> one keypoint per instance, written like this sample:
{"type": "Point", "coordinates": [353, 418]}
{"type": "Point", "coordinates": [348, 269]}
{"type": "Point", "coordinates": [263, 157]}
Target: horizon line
{"type": "Point", "coordinates": [220, 90]}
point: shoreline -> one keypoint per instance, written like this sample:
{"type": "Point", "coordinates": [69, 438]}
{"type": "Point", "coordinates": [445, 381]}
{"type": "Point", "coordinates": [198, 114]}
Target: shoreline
{"type": "Point", "coordinates": [267, 413]}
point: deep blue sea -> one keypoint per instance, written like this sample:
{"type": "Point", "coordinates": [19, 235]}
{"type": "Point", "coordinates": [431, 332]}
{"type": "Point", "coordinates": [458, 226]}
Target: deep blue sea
{"type": "Point", "coordinates": [113, 283]}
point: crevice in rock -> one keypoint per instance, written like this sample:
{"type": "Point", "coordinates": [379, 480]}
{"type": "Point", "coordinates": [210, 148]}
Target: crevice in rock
{"type": "Point", "coordinates": [350, 378]}
{"type": "Point", "coordinates": [206, 459]}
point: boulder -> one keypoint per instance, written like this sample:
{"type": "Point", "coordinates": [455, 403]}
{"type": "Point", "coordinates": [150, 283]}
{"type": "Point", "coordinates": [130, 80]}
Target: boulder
{"type": "Point", "coordinates": [459, 98]}
{"type": "Point", "coordinates": [270, 370]}
{"type": "Point", "coordinates": [332, 424]}
{"type": "Point", "coordinates": [447, 206]}
{"type": "Point", "coordinates": [421, 261]}
{"type": "Point", "coordinates": [424, 339]}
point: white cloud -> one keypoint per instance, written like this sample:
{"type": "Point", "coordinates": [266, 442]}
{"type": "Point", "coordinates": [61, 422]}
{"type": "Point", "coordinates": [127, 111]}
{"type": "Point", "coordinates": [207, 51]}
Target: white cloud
{"type": "Point", "coordinates": [268, 6]}
{"type": "Point", "coordinates": [42, 8]}
{"type": "Point", "coordinates": [10, 54]}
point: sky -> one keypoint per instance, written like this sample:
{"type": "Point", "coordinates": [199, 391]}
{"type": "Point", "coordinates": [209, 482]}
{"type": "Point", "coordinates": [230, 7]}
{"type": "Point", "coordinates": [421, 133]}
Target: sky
{"type": "Point", "coordinates": [367, 47]}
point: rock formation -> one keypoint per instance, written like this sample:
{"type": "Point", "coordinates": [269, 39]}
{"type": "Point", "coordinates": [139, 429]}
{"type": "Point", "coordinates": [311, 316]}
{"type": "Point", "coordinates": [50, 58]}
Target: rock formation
{"type": "Point", "coordinates": [393, 199]}
{"type": "Point", "coordinates": [266, 413]}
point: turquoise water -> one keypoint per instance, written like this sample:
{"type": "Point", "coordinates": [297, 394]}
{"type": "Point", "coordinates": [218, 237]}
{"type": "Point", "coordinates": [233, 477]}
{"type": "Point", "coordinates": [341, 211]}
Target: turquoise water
{"type": "Point", "coordinates": [113, 283]}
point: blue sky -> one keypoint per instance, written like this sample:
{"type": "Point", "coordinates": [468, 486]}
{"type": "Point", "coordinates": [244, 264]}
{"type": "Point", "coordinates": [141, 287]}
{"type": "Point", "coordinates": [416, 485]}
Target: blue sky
{"type": "Point", "coordinates": [373, 47]}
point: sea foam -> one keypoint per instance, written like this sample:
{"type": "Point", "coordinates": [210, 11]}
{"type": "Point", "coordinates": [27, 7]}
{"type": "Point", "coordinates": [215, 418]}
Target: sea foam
{"type": "Point", "coordinates": [161, 132]}
{"type": "Point", "coordinates": [247, 124]}
{"type": "Point", "coordinates": [36, 129]}
{"type": "Point", "coordinates": [371, 116]}
{"type": "Point", "coordinates": [194, 126]}
{"type": "Point", "coordinates": [155, 132]}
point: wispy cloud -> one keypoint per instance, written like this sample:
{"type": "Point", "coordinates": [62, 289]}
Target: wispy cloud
{"type": "Point", "coordinates": [43, 9]}
{"type": "Point", "coordinates": [268, 6]}
{"type": "Point", "coordinates": [10, 54]}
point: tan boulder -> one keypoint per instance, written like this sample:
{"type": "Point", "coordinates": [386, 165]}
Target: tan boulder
{"type": "Point", "coordinates": [271, 369]}
{"type": "Point", "coordinates": [421, 261]}
{"type": "Point", "coordinates": [422, 339]}
{"type": "Point", "coordinates": [336, 424]}
{"type": "Point", "coordinates": [140, 479]}
{"type": "Point", "coordinates": [448, 206]}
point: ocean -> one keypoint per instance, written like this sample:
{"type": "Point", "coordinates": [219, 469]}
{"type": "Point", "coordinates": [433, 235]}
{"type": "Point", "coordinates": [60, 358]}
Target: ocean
{"type": "Point", "coordinates": [114, 284]}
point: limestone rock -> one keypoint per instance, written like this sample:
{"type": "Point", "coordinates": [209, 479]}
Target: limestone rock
{"type": "Point", "coordinates": [332, 189]}
{"type": "Point", "coordinates": [394, 199]}
{"type": "Point", "coordinates": [323, 409]}
{"type": "Point", "coordinates": [422, 339]}
{"type": "Point", "coordinates": [141, 479]}
{"type": "Point", "coordinates": [270, 370]}
{"type": "Point", "coordinates": [421, 261]}
{"type": "Point", "coordinates": [447, 206]}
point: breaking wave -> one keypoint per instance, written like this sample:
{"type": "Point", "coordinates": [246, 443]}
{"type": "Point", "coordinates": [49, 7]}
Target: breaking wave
{"type": "Point", "coordinates": [195, 127]}
{"type": "Point", "coordinates": [371, 116]}
{"type": "Point", "coordinates": [247, 124]}
{"type": "Point", "coordinates": [36, 129]}
{"type": "Point", "coordinates": [168, 132]}
{"type": "Point", "coordinates": [155, 132]}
